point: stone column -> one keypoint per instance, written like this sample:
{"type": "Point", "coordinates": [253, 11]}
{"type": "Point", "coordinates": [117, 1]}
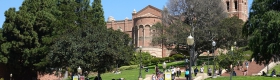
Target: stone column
{"type": "Point", "coordinates": [231, 5]}
{"type": "Point", "coordinates": [143, 36]}
{"type": "Point", "coordinates": [138, 39]}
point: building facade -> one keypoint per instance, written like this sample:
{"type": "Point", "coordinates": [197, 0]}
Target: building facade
{"type": "Point", "coordinates": [237, 8]}
{"type": "Point", "coordinates": [139, 27]}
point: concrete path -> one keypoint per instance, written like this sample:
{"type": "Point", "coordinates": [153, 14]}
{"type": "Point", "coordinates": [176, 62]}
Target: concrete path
{"type": "Point", "coordinates": [148, 77]}
{"type": "Point", "coordinates": [199, 76]}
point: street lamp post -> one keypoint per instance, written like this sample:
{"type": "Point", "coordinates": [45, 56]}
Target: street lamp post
{"type": "Point", "coordinates": [208, 60]}
{"type": "Point", "coordinates": [231, 66]}
{"type": "Point", "coordinates": [190, 42]}
{"type": "Point", "coordinates": [11, 76]}
{"type": "Point", "coordinates": [214, 70]}
{"type": "Point", "coordinates": [140, 72]}
{"type": "Point", "coordinates": [79, 70]}
{"type": "Point", "coordinates": [230, 71]}
{"type": "Point", "coordinates": [187, 60]}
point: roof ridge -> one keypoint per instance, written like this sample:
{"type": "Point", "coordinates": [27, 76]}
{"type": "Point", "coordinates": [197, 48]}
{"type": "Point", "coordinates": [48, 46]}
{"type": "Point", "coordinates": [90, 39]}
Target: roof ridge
{"type": "Point", "coordinates": [150, 7]}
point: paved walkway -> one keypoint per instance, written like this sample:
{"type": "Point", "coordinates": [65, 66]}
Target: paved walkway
{"type": "Point", "coordinates": [253, 69]}
{"type": "Point", "coordinates": [199, 76]}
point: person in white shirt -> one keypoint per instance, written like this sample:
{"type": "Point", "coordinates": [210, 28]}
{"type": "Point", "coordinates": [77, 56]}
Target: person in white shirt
{"type": "Point", "coordinates": [201, 69]}
{"type": "Point", "coordinates": [154, 77]}
{"type": "Point", "coordinates": [173, 71]}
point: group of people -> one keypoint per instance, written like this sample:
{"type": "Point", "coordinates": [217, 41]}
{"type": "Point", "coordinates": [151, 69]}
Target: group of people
{"type": "Point", "coordinates": [209, 72]}
{"type": "Point", "coordinates": [245, 71]}
{"type": "Point", "coordinates": [157, 77]}
{"type": "Point", "coordinates": [175, 71]}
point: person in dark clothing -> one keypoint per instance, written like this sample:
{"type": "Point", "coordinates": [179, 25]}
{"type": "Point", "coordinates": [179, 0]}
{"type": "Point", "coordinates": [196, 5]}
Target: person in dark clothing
{"type": "Point", "coordinates": [98, 77]}
{"type": "Point", "coordinates": [195, 71]}
{"type": "Point", "coordinates": [273, 73]}
{"type": "Point", "coordinates": [263, 73]}
{"type": "Point", "coordinates": [209, 72]}
{"type": "Point", "coordinates": [220, 71]}
{"type": "Point", "coordinates": [233, 73]}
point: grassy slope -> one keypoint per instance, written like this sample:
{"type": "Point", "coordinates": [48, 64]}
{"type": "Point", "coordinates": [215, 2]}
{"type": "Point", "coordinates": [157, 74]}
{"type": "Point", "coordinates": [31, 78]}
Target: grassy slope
{"type": "Point", "coordinates": [134, 73]}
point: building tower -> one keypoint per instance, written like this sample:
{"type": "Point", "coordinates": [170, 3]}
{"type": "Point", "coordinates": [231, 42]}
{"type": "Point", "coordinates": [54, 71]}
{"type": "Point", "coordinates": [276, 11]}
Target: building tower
{"type": "Point", "coordinates": [237, 8]}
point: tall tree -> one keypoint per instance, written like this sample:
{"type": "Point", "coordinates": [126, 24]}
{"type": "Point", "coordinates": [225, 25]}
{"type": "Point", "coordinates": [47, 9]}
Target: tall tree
{"type": "Point", "coordinates": [67, 18]}
{"type": "Point", "coordinates": [195, 17]}
{"type": "Point", "coordinates": [3, 58]}
{"type": "Point", "coordinates": [98, 14]}
{"type": "Point", "coordinates": [90, 44]}
{"type": "Point", "coordinates": [27, 34]}
{"type": "Point", "coordinates": [263, 29]}
{"type": "Point", "coordinates": [230, 31]}
{"type": "Point", "coordinates": [85, 48]}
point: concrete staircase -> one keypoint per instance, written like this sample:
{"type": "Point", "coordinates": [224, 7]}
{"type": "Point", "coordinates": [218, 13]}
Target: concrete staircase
{"type": "Point", "coordinates": [270, 66]}
{"type": "Point", "coordinates": [253, 69]}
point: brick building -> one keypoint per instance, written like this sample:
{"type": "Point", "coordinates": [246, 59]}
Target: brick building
{"type": "Point", "coordinates": [237, 8]}
{"type": "Point", "coordinates": [139, 27]}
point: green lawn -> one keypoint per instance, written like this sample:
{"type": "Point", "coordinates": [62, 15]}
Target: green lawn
{"type": "Point", "coordinates": [134, 73]}
{"type": "Point", "coordinates": [245, 78]}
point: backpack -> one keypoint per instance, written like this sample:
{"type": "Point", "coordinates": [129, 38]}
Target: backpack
{"type": "Point", "coordinates": [187, 73]}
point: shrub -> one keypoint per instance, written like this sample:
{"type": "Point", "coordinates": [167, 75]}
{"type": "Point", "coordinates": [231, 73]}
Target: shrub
{"type": "Point", "coordinates": [146, 62]}
{"type": "Point", "coordinates": [161, 60]}
{"type": "Point", "coordinates": [145, 56]}
{"type": "Point", "coordinates": [171, 59]}
{"type": "Point", "coordinates": [155, 61]}
{"type": "Point", "coordinates": [128, 67]}
{"type": "Point", "coordinates": [178, 57]}
{"type": "Point", "coordinates": [166, 59]}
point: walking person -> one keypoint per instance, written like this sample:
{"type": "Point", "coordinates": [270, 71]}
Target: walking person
{"type": "Point", "coordinates": [157, 70]}
{"type": "Point", "coordinates": [195, 71]}
{"type": "Point", "coordinates": [173, 71]}
{"type": "Point", "coordinates": [178, 71]}
{"type": "Point", "coordinates": [154, 77]}
{"type": "Point", "coordinates": [247, 65]}
{"type": "Point", "coordinates": [201, 69]}
{"type": "Point", "coordinates": [209, 72]}
{"type": "Point", "coordinates": [245, 72]}
{"type": "Point", "coordinates": [187, 73]}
